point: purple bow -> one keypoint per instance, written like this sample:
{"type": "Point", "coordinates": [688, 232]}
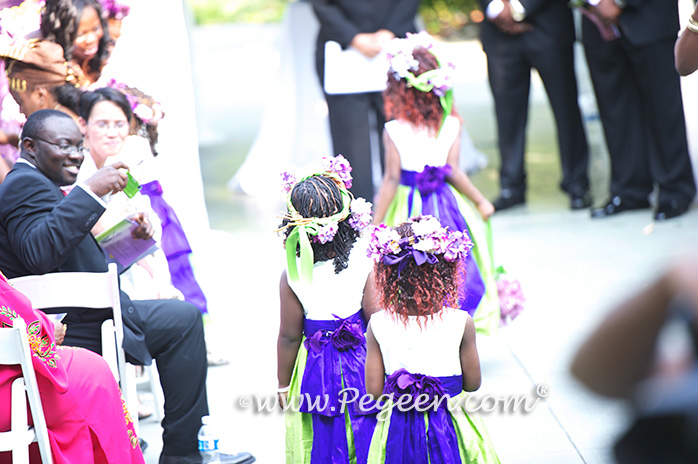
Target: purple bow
{"type": "Point", "coordinates": [403, 383]}
{"type": "Point", "coordinates": [420, 257]}
{"type": "Point", "coordinates": [432, 177]}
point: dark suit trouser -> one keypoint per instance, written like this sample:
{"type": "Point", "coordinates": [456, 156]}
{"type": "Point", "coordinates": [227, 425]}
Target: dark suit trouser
{"type": "Point", "coordinates": [174, 334]}
{"type": "Point", "coordinates": [351, 125]}
{"type": "Point", "coordinates": [509, 70]}
{"type": "Point", "coordinates": [638, 92]}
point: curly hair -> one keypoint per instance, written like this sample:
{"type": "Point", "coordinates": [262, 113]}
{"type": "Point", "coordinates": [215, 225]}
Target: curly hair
{"type": "Point", "coordinates": [319, 196]}
{"type": "Point", "coordinates": [60, 22]}
{"type": "Point", "coordinates": [422, 109]}
{"type": "Point", "coordinates": [418, 290]}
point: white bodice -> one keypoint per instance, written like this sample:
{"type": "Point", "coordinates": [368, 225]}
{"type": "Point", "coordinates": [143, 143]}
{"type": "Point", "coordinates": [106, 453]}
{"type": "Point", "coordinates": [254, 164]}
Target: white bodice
{"type": "Point", "coordinates": [418, 148]}
{"type": "Point", "coordinates": [433, 349]}
{"type": "Point", "coordinates": [332, 294]}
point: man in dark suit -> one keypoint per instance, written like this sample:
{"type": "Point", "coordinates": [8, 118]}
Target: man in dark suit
{"type": "Point", "coordinates": [517, 36]}
{"type": "Point", "coordinates": [639, 97]}
{"type": "Point", "coordinates": [43, 231]}
{"type": "Point", "coordinates": [365, 25]}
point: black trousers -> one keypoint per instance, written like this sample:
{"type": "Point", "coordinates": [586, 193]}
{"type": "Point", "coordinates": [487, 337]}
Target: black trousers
{"type": "Point", "coordinates": [354, 120]}
{"type": "Point", "coordinates": [638, 92]}
{"type": "Point", "coordinates": [174, 335]}
{"type": "Point", "coordinates": [509, 69]}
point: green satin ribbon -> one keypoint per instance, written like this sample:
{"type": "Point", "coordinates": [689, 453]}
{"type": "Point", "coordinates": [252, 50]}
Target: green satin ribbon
{"type": "Point", "coordinates": [303, 229]}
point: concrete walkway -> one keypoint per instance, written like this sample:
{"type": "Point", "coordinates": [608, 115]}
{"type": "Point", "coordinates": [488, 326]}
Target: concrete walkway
{"type": "Point", "coordinates": [573, 270]}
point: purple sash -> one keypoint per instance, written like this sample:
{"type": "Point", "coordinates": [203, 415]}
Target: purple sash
{"type": "Point", "coordinates": [176, 247]}
{"type": "Point", "coordinates": [438, 201]}
{"type": "Point", "coordinates": [408, 437]}
{"type": "Point", "coordinates": [336, 360]}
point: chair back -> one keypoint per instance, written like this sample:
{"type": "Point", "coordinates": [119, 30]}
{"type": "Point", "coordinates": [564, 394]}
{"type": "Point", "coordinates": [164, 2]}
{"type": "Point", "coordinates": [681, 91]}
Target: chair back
{"type": "Point", "coordinates": [15, 350]}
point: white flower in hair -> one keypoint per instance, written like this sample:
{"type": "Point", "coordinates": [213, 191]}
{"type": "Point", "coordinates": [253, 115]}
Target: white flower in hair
{"type": "Point", "coordinates": [421, 39]}
{"type": "Point", "coordinates": [426, 226]}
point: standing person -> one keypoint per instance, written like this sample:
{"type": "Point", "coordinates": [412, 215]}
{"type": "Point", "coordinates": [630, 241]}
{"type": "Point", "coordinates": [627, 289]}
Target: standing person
{"type": "Point", "coordinates": [420, 344]}
{"type": "Point", "coordinates": [422, 174]}
{"type": "Point", "coordinates": [45, 231]}
{"type": "Point", "coordinates": [639, 97]}
{"type": "Point", "coordinates": [518, 36]}
{"type": "Point", "coordinates": [365, 26]}
{"type": "Point", "coordinates": [324, 308]}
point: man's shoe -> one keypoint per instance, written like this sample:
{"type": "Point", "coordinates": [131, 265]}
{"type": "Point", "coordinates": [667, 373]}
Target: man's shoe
{"type": "Point", "coordinates": [617, 205]}
{"type": "Point", "coordinates": [239, 458]}
{"type": "Point", "coordinates": [670, 211]}
{"type": "Point", "coordinates": [143, 444]}
{"type": "Point", "coordinates": [507, 200]}
{"type": "Point", "coordinates": [580, 200]}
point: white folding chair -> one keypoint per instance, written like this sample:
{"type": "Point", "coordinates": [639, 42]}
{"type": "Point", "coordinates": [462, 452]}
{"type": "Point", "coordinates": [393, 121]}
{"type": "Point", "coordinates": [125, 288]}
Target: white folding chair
{"type": "Point", "coordinates": [91, 290]}
{"type": "Point", "coordinates": [14, 350]}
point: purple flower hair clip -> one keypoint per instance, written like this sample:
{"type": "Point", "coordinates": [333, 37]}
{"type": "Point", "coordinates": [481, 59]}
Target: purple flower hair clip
{"type": "Point", "coordinates": [340, 166]}
{"type": "Point", "coordinates": [114, 9]}
{"type": "Point", "coordinates": [288, 180]}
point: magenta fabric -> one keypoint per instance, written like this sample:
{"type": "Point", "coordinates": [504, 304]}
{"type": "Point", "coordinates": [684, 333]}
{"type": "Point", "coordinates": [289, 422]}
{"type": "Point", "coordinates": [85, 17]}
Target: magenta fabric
{"type": "Point", "coordinates": [86, 415]}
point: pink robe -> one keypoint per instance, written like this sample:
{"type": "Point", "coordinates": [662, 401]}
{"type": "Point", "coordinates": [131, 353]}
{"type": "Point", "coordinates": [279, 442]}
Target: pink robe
{"type": "Point", "coordinates": [86, 415]}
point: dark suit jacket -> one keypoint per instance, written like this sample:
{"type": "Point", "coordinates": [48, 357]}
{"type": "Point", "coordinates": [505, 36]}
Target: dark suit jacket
{"type": "Point", "coordinates": [644, 22]}
{"type": "Point", "coordinates": [42, 231]}
{"type": "Point", "coordinates": [341, 20]}
{"type": "Point", "coordinates": [552, 23]}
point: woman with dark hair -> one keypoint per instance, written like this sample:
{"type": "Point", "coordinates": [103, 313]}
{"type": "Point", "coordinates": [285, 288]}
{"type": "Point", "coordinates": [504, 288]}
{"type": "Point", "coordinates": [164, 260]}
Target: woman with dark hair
{"type": "Point", "coordinates": [326, 299]}
{"type": "Point", "coordinates": [421, 350]}
{"type": "Point", "coordinates": [80, 28]}
{"type": "Point", "coordinates": [422, 174]}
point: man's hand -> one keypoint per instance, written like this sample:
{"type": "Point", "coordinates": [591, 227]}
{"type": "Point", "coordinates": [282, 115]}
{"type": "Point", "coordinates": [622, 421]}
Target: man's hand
{"type": "Point", "coordinates": [145, 228]}
{"type": "Point", "coordinates": [368, 43]}
{"type": "Point", "coordinates": [59, 332]}
{"type": "Point", "coordinates": [109, 179]}
{"type": "Point", "coordinates": [505, 22]}
{"type": "Point", "coordinates": [608, 11]}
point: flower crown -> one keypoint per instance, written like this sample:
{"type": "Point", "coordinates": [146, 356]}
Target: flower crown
{"type": "Point", "coordinates": [115, 9]}
{"type": "Point", "coordinates": [429, 239]}
{"type": "Point", "coordinates": [143, 106]}
{"type": "Point", "coordinates": [402, 64]}
{"type": "Point", "coordinates": [320, 230]}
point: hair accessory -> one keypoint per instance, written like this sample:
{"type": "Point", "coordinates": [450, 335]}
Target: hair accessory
{"type": "Point", "coordinates": [143, 106]}
{"type": "Point", "coordinates": [320, 230]}
{"type": "Point", "coordinates": [402, 64]}
{"type": "Point", "coordinates": [20, 20]}
{"type": "Point", "coordinates": [113, 9]}
{"type": "Point", "coordinates": [429, 239]}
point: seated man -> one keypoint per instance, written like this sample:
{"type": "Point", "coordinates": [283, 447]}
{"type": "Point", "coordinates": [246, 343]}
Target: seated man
{"type": "Point", "coordinates": [43, 231]}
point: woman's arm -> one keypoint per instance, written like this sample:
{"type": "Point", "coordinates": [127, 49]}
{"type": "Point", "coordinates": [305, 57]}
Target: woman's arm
{"type": "Point", "coordinates": [290, 332]}
{"type": "Point", "coordinates": [391, 179]}
{"type": "Point", "coordinates": [469, 359]}
{"type": "Point", "coordinates": [686, 49]}
{"type": "Point", "coordinates": [375, 371]}
{"type": "Point", "coordinates": [462, 183]}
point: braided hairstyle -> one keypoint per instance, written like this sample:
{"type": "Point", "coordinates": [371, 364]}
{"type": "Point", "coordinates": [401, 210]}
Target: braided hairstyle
{"type": "Point", "coordinates": [418, 290]}
{"type": "Point", "coordinates": [319, 196]}
{"type": "Point", "coordinates": [60, 22]}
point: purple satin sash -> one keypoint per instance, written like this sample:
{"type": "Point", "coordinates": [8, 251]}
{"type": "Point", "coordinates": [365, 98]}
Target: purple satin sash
{"type": "Point", "coordinates": [438, 201]}
{"type": "Point", "coordinates": [408, 437]}
{"type": "Point", "coordinates": [176, 247]}
{"type": "Point", "coordinates": [336, 360]}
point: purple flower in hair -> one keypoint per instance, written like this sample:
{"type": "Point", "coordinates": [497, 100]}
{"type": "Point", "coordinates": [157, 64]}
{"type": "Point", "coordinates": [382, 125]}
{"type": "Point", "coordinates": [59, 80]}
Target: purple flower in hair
{"type": "Point", "coordinates": [360, 214]}
{"type": "Point", "coordinates": [288, 180]}
{"type": "Point", "coordinates": [326, 233]}
{"type": "Point", "coordinates": [456, 246]}
{"type": "Point", "coordinates": [115, 9]}
{"type": "Point", "coordinates": [339, 165]}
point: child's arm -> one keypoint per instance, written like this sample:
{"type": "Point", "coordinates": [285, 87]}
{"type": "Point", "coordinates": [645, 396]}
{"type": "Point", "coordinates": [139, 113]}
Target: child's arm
{"type": "Point", "coordinates": [375, 372]}
{"type": "Point", "coordinates": [391, 179]}
{"type": "Point", "coordinates": [370, 300]}
{"type": "Point", "coordinates": [462, 183]}
{"type": "Point", "coordinates": [290, 332]}
{"type": "Point", "coordinates": [469, 359]}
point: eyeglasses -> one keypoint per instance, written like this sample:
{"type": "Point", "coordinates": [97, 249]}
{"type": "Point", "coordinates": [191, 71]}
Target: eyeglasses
{"type": "Point", "coordinates": [66, 148]}
{"type": "Point", "coordinates": [106, 125]}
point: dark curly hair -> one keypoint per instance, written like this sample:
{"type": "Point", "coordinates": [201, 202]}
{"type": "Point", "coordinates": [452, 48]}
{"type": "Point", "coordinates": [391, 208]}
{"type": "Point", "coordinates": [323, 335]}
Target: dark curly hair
{"type": "Point", "coordinates": [422, 109]}
{"type": "Point", "coordinates": [319, 197]}
{"type": "Point", "coordinates": [418, 290]}
{"type": "Point", "coordinates": [60, 21]}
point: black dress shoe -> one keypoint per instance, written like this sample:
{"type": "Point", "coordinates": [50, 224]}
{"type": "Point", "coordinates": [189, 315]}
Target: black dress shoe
{"type": "Point", "coordinates": [670, 211]}
{"type": "Point", "coordinates": [506, 201]}
{"type": "Point", "coordinates": [617, 205]}
{"type": "Point", "coordinates": [580, 200]}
